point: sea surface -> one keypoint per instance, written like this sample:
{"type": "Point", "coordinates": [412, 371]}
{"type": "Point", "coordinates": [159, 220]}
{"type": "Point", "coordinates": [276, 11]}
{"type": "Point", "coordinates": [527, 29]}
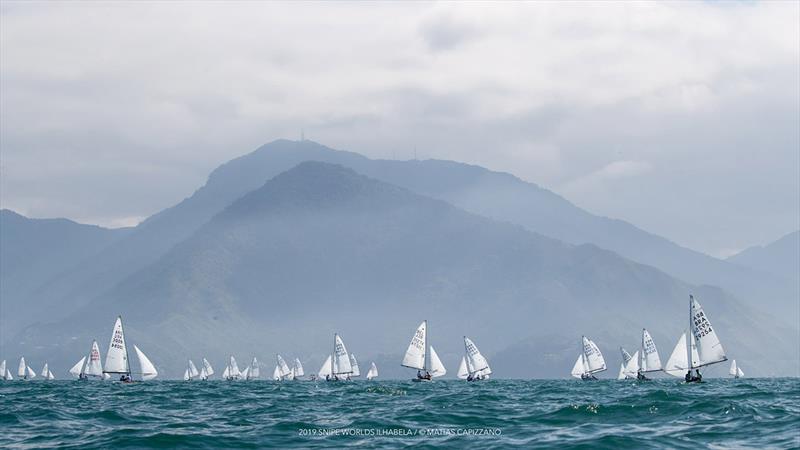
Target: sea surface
{"type": "Point", "coordinates": [720, 413]}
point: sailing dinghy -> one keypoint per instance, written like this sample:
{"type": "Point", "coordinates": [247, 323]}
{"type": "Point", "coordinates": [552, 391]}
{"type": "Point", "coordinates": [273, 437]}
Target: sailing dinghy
{"type": "Point", "coordinates": [354, 365]}
{"type": "Point", "coordinates": [297, 370]}
{"type": "Point", "coordinates": [649, 361]}
{"type": "Point", "coordinates": [372, 372]}
{"type": "Point", "coordinates": [589, 362]}
{"type": "Point", "coordinates": [416, 356]}
{"type": "Point", "coordinates": [118, 362]}
{"type": "Point", "coordinates": [735, 371]}
{"type": "Point", "coordinates": [701, 348]}
{"type": "Point", "coordinates": [191, 371]}
{"type": "Point", "coordinates": [24, 371]}
{"type": "Point", "coordinates": [206, 371]}
{"type": "Point", "coordinates": [474, 367]}
{"type": "Point", "coordinates": [284, 372]}
{"type": "Point", "coordinates": [5, 374]}
{"type": "Point", "coordinates": [92, 369]}
{"type": "Point", "coordinates": [46, 373]}
{"type": "Point", "coordinates": [231, 372]}
{"type": "Point", "coordinates": [626, 357]}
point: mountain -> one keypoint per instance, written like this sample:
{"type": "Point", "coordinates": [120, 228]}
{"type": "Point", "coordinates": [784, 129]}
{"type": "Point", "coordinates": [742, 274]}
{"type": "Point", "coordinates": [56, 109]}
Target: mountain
{"type": "Point", "coordinates": [781, 258]}
{"type": "Point", "coordinates": [320, 249]}
{"type": "Point", "coordinates": [495, 195]}
{"type": "Point", "coordinates": [34, 251]}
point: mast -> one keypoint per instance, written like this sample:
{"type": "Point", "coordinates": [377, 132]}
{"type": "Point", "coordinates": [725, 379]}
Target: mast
{"type": "Point", "coordinates": [641, 354]}
{"type": "Point", "coordinates": [689, 336]}
{"type": "Point", "coordinates": [466, 354]}
{"type": "Point", "coordinates": [127, 357]}
{"type": "Point", "coordinates": [333, 357]}
{"type": "Point", "coordinates": [425, 348]}
{"type": "Point", "coordinates": [583, 356]}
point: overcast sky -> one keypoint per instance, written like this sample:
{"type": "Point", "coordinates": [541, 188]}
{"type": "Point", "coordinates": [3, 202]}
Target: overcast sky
{"type": "Point", "coordinates": [681, 118]}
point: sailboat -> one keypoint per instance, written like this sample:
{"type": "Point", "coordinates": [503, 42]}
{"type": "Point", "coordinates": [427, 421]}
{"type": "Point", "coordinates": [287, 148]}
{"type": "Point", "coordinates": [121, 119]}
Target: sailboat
{"type": "Point", "coordinates": [297, 370]}
{"type": "Point", "coordinates": [337, 366]}
{"type": "Point", "coordinates": [5, 374]}
{"type": "Point", "coordinates": [46, 373]}
{"type": "Point", "coordinates": [191, 371]}
{"type": "Point", "coordinates": [253, 371]}
{"type": "Point", "coordinates": [735, 371]}
{"type": "Point", "coordinates": [93, 367]}
{"type": "Point", "coordinates": [354, 365]}
{"type": "Point", "coordinates": [276, 374]}
{"type": "Point", "coordinates": [701, 348]}
{"type": "Point", "coordinates": [284, 372]}
{"type": "Point", "coordinates": [245, 375]}
{"type": "Point", "coordinates": [626, 357]}
{"type": "Point", "coordinates": [589, 362]}
{"type": "Point", "coordinates": [206, 371]}
{"type": "Point", "coordinates": [649, 360]}
{"type": "Point", "coordinates": [117, 361]}
{"type": "Point", "coordinates": [372, 372]}
{"type": "Point", "coordinates": [416, 356]}
{"type": "Point", "coordinates": [231, 372]}
{"type": "Point", "coordinates": [24, 371]}
{"type": "Point", "coordinates": [474, 366]}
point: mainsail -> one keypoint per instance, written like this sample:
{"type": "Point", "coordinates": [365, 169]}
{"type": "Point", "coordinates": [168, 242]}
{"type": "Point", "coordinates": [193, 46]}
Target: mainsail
{"type": "Point", "coordinates": [45, 370]}
{"type": "Point", "coordinates": [283, 369]}
{"type": "Point", "coordinates": [325, 370]}
{"type": "Point", "coordinates": [117, 356]}
{"type": "Point", "coordinates": [298, 368]}
{"type": "Point", "coordinates": [373, 371]}
{"type": "Point", "coordinates": [341, 360]}
{"type": "Point", "coordinates": [415, 354]}
{"type": "Point", "coordinates": [709, 348]}
{"type": "Point", "coordinates": [625, 358]}
{"type": "Point", "coordinates": [94, 367]}
{"type": "Point", "coordinates": [632, 368]}
{"type": "Point", "coordinates": [255, 370]}
{"type": "Point", "coordinates": [276, 374]}
{"type": "Point", "coordinates": [21, 368]}
{"type": "Point", "coordinates": [207, 367]}
{"type": "Point", "coordinates": [593, 359]}
{"type": "Point", "coordinates": [479, 364]}
{"type": "Point", "coordinates": [148, 369]}
{"type": "Point", "coordinates": [650, 361]}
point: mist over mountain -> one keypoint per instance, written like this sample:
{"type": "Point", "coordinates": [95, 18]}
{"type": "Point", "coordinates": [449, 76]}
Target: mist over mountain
{"type": "Point", "coordinates": [781, 257]}
{"type": "Point", "coordinates": [320, 249]}
{"type": "Point", "coordinates": [496, 195]}
{"type": "Point", "coordinates": [33, 251]}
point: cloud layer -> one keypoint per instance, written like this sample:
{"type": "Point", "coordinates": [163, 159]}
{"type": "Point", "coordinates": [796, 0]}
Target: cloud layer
{"type": "Point", "coordinates": [679, 117]}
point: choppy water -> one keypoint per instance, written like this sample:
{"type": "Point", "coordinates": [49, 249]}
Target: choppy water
{"type": "Point", "coordinates": [754, 413]}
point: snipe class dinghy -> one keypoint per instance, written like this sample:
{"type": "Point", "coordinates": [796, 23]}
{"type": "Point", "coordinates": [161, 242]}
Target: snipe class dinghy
{"type": "Point", "coordinates": [46, 373]}
{"type": "Point", "coordinates": [117, 361]}
{"type": "Point", "coordinates": [701, 348]}
{"type": "Point", "coordinates": [231, 372]}
{"type": "Point", "coordinates": [373, 371]}
{"type": "Point", "coordinates": [297, 370]}
{"type": "Point", "coordinates": [337, 367]}
{"type": "Point", "coordinates": [589, 362]}
{"type": "Point", "coordinates": [89, 368]}
{"type": "Point", "coordinates": [3, 375]}
{"type": "Point", "coordinates": [24, 371]}
{"type": "Point", "coordinates": [253, 371]}
{"type": "Point", "coordinates": [282, 370]}
{"type": "Point", "coordinates": [416, 356]}
{"type": "Point", "coordinates": [473, 367]}
{"type": "Point", "coordinates": [735, 371]}
{"type": "Point", "coordinates": [645, 360]}
{"type": "Point", "coordinates": [206, 371]}
{"type": "Point", "coordinates": [626, 357]}
{"type": "Point", "coordinates": [191, 371]}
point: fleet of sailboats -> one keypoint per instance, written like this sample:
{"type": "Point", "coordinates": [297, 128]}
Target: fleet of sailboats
{"type": "Point", "coordinates": [697, 347]}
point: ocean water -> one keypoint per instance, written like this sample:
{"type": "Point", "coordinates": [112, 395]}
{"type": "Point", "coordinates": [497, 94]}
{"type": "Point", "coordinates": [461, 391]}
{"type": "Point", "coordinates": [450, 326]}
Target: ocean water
{"type": "Point", "coordinates": [722, 413]}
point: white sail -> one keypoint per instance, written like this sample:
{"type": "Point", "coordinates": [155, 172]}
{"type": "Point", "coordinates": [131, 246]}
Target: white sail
{"type": "Point", "coordinates": [593, 358]}
{"type": "Point", "coordinates": [621, 375]}
{"type": "Point", "coordinates": [186, 376]}
{"type": "Point", "coordinates": [45, 370]}
{"type": "Point", "coordinates": [234, 369]}
{"type": "Point", "coordinates": [578, 369]}
{"type": "Point", "coordinates": [50, 375]}
{"type": "Point", "coordinates": [298, 368]}
{"type": "Point", "coordinates": [93, 365]}
{"type": "Point", "coordinates": [226, 373]}
{"type": "Point", "coordinates": [633, 365]}
{"type": "Point", "coordinates": [650, 362]}
{"type": "Point", "coordinates": [735, 371]}
{"type": "Point", "coordinates": [283, 368]}
{"type": "Point", "coordinates": [8, 375]}
{"type": "Point", "coordinates": [255, 369]}
{"type": "Point", "coordinates": [31, 373]}
{"type": "Point", "coordinates": [625, 355]}
{"type": "Point", "coordinates": [117, 356]}
{"type": "Point", "coordinates": [739, 372]}
{"type": "Point", "coordinates": [78, 367]}
{"type": "Point", "coordinates": [208, 368]}
{"type": "Point", "coordinates": [245, 374]}
{"type": "Point", "coordinates": [148, 369]}
{"type": "Point", "coordinates": [3, 369]}
{"type": "Point", "coordinates": [325, 370]}
{"type": "Point", "coordinates": [354, 365]}
{"type": "Point", "coordinates": [678, 363]}
{"type": "Point", "coordinates": [21, 368]}
{"type": "Point", "coordinates": [463, 372]}
{"type": "Point", "coordinates": [341, 360]}
{"type": "Point", "coordinates": [415, 354]}
{"type": "Point", "coordinates": [203, 373]}
{"type": "Point", "coordinates": [193, 372]}
{"type": "Point", "coordinates": [373, 371]}
{"type": "Point", "coordinates": [276, 374]}
{"type": "Point", "coordinates": [477, 360]}
{"type": "Point", "coordinates": [709, 348]}
{"type": "Point", "coordinates": [437, 368]}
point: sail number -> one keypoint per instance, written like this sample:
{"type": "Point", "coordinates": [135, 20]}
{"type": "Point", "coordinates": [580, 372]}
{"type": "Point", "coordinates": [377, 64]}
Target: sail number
{"type": "Point", "coordinates": [118, 341]}
{"type": "Point", "coordinates": [701, 325]}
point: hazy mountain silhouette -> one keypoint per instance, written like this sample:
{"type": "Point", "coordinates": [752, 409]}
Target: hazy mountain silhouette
{"type": "Point", "coordinates": [496, 195]}
{"type": "Point", "coordinates": [33, 251]}
{"type": "Point", "coordinates": [781, 257]}
{"type": "Point", "coordinates": [320, 249]}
